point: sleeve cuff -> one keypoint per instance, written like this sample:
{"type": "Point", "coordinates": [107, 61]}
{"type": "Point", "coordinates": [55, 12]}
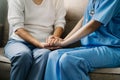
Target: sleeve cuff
{"type": "Point", "coordinates": [60, 25]}
{"type": "Point", "coordinates": [17, 27]}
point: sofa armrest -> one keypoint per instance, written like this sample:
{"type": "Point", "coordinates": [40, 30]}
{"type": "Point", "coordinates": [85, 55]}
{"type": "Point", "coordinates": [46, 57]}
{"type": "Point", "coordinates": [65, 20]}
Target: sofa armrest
{"type": "Point", "coordinates": [4, 66]}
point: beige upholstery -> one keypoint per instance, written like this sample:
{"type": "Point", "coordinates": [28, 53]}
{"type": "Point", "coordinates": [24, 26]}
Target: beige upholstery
{"type": "Point", "coordinates": [75, 8]}
{"type": "Point", "coordinates": [4, 62]}
{"type": "Point", "coordinates": [4, 66]}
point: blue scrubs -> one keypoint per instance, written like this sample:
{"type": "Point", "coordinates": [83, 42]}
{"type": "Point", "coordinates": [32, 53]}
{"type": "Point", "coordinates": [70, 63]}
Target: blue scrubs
{"type": "Point", "coordinates": [99, 49]}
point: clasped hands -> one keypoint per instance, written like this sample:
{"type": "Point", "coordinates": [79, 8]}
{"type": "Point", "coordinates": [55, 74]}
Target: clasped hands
{"type": "Point", "coordinates": [52, 43]}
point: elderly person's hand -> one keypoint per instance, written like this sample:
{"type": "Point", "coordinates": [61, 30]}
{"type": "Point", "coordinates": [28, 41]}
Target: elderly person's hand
{"type": "Point", "coordinates": [53, 42]}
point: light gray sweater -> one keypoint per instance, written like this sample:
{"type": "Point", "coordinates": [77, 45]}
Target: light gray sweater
{"type": "Point", "coordinates": [38, 20]}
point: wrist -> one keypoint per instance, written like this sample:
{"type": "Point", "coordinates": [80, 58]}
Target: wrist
{"type": "Point", "coordinates": [39, 45]}
{"type": "Point", "coordinates": [56, 36]}
{"type": "Point", "coordinates": [62, 44]}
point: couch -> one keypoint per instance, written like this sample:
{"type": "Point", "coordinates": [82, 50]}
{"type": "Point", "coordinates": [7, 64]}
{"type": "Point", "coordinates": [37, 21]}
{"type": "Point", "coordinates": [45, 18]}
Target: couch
{"type": "Point", "coordinates": [4, 62]}
{"type": "Point", "coordinates": [75, 9]}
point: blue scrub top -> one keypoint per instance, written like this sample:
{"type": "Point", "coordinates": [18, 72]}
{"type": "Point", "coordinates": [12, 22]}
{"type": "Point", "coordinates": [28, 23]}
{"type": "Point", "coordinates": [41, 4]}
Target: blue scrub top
{"type": "Point", "coordinates": [108, 13]}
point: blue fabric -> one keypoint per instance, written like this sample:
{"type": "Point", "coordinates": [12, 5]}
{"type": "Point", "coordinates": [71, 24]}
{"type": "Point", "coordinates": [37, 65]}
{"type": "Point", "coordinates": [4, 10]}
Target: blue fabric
{"type": "Point", "coordinates": [99, 49]}
{"type": "Point", "coordinates": [75, 63]}
{"type": "Point", "coordinates": [27, 61]}
{"type": "Point", "coordinates": [108, 13]}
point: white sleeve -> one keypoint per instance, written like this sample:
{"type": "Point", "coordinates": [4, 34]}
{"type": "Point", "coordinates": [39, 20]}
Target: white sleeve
{"type": "Point", "coordinates": [16, 14]}
{"type": "Point", "coordinates": [60, 14]}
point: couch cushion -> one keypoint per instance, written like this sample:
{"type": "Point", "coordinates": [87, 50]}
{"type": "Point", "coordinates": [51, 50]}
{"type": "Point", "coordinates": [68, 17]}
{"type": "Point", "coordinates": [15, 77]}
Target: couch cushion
{"type": "Point", "coordinates": [75, 8]}
{"type": "Point", "coordinates": [4, 66]}
{"type": "Point", "coordinates": [106, 74]}
{"type": "Point", "coordinates": [5, 71]}
{"type": "Point", "coordinates": [3, 59]}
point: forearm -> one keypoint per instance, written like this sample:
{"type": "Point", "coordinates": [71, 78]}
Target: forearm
{"type": "Point", "coordinates": [27, 37]}
{"type": "Point", "coordinates": [77, 27]}
{"type": "Point", "coordinates": [84, 31]}
{"type": "Point", "coordinates": [58, 32]}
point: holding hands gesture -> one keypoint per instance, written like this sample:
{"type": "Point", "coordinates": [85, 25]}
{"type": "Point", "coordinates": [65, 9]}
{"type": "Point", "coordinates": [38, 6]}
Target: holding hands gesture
{"type": "Point", "coordinates": [53, 42]}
